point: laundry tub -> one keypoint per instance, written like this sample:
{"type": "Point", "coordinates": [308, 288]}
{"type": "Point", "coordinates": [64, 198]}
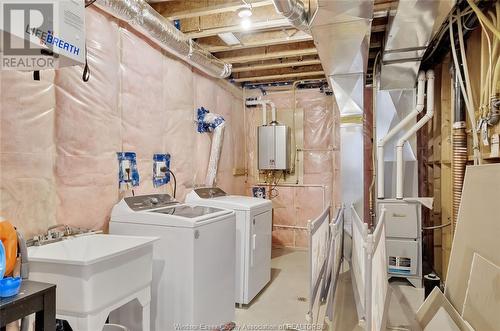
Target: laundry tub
{"type": "Point", "coordinates": [95, 275]}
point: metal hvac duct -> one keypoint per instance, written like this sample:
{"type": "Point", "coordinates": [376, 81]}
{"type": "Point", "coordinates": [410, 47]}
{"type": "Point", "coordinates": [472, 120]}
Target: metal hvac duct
{"type": "Point", "coordinates": [411, 29]}
{"type": "Point", "coordinates": [151, 24]}
{"type": "Point", "coordinates": [295, 12]}
{"type": "Point", "coordinates": [341, 32]}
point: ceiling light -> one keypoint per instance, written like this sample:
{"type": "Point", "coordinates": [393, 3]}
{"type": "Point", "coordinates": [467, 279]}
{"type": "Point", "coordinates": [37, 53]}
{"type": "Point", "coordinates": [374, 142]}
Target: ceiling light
{"type": "Point", "coordinates": [246, 23]}
{"type": "Point", "coordinates": [244, 12]}
{"type": "Point", "coordinates": [229, 38]}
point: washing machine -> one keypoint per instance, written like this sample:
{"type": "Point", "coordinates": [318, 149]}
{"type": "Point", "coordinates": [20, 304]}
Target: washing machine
{"type": "Point", "coordinates": [253, 238]}
{"type": "Point", "coordinates": [193, 261]}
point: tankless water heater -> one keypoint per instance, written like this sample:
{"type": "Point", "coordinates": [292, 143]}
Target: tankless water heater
{"type": "Point", "coordinates": [273, 147]}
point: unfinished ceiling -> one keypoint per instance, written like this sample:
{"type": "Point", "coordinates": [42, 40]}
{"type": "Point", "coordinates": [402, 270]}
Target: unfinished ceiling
{"type": "Point", "coordinates": [270, 50]}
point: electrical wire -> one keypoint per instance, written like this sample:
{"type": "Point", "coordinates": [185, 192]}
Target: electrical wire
{"type": "Point", "coordinates": [86, 68]}
{"type": "Point", "coordinates": [175, 181]}
{"type": "Point", "coordinates": [436, 226]}
{"type": "Point", "coordinates": [89, 3]}
{"type": "Point", "coordinates": [442, 33]}
{"type": "Point", "coordinates": [484, 19]}
{"type": "Point", "coordinates": [486, 87]}
{"type": "Point", "coordinates": [273, 188]}
{"type": "Point", "coordinates": [127, 170]}
{"type": "Point", "coordinates": [475, 139]}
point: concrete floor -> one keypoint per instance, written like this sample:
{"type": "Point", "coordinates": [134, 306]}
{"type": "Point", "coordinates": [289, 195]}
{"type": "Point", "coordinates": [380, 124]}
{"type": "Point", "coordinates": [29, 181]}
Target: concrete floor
{"type": "Point", "coordinates": [285, 300]}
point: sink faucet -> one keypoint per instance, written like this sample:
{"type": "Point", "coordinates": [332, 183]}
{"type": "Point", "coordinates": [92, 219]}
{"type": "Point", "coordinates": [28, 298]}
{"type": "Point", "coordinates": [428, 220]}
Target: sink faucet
{"type": "Point", "coordinates": [53, 234]}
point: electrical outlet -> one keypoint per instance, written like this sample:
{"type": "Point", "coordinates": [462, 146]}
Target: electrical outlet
{"type": "Point", "coordinates": [125, 166]}
{"type": "Point", "coordinates": [128, 175]}
{"type": "Point", "coordinates": [161, 177]}
{"type": "Point", "coordinates": [159, 165]}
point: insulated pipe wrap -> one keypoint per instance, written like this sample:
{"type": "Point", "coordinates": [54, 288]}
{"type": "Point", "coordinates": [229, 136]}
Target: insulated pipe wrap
{"type": "Point", "coordinates": [149, 22]}
{"type": "Point", "coordinates": [215, 151]}
{"type": "Point", "coordinates": [458, 168]}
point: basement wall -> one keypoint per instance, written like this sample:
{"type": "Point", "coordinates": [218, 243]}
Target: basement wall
{"type": "Point", "coordinates": [59, 136]}
{"type": "Point", "coordinates": [317, 169]}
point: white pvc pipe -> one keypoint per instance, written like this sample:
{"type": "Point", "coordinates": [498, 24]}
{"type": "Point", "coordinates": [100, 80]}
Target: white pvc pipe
{"type": "Point", "coordinates": [401, 125]}
{"type": "Point", "coordinates": [264, 113]}
{"type": "Point", "coordinates": [399, 146]}
{"type": "Point", "coordinates": [262, 103]}
{"type": "Point", "coordinates": [273, 111]}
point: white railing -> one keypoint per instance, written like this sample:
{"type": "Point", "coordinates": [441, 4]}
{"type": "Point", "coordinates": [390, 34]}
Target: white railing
{"type": "Point", "coordinates": [325, 257]}
{"type": "Point", "coordinates": [336, 256]}
{"type": "Point", "coordinates": [369, 271]}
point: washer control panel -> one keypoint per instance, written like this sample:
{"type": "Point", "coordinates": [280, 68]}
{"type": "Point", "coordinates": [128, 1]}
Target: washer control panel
{"type": "Point", "coordinates": [210, 192]}
{"type": "Point", "coordinates": [150, 201]}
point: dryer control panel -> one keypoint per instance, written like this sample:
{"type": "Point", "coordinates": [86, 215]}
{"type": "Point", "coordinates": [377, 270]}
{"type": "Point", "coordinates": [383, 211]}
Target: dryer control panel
{"type": "Point", "coordinates": [150, 201]}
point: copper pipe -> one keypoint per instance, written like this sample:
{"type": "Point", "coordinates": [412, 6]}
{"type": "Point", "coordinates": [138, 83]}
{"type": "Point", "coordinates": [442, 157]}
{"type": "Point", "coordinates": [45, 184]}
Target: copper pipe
{"type": "Point", "coordinates": [458, 166]}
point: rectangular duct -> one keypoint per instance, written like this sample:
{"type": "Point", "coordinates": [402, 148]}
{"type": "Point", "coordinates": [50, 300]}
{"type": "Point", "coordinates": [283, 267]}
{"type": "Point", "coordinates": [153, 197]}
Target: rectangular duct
{"type": "Point", "coordinates": [412, 27]}
{"type": "Point", "coordinates": [341, 32]}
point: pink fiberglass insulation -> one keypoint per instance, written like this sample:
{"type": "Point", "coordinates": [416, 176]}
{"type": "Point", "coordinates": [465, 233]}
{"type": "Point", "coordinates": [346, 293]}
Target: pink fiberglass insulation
{"type": "Point", "coordinates": [296, 204]}
{"type": "Point", "coordinates": [180, 142]}
{"type": "Point", "coordinates": [59, 136]}
{"type": "Point", "coordinates": [88, 129]}
{"type": "Point", "coordinates": [204, 95]}
{"type": "Point", "coordinates": [143, 112]}
{"type": "Point", "coordinates": [27, 150]}
{"type": "Point", "coordinates": [318, 120]}
{"type": "Point", "coordinates": [219, 100]}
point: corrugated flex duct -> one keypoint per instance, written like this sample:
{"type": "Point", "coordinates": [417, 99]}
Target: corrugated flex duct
{"type": "Point", "coordinates": [143, 18]}
{"type": "Point", "coordinates": [295, 12]}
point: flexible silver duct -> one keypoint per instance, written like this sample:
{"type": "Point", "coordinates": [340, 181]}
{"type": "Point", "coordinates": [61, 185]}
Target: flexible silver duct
{"type": "Point", "coordinates": [151, 24]}
{"type": "Point", "coordinates": [295, 12]}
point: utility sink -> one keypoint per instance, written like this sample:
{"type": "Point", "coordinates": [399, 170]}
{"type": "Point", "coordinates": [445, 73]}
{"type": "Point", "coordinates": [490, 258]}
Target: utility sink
{"type": "Point", "coordinates": [93, 272]}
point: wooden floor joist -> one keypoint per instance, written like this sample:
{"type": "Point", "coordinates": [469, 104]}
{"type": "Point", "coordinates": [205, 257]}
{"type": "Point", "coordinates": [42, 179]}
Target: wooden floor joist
{"type": "Point", "coordinates": [270, 56]}
{"type": "Point", "coordinates": [280, 77]}
{"type": "Point", "coordinates": [271, 50]}
{"type": "Point", "coordinates": [299, 37]}
{"type": "Point", "coordinates": [216, 9]}
{"type": "Point", "coordinates": [256, 26]}
{"type": "Point", "coordinates": [265, 66]}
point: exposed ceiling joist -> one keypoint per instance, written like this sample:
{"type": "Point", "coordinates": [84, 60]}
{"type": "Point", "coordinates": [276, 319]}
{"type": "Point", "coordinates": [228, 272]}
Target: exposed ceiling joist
{"type": "Point", "coordinates": [219, 49]}
{"type": "Point", "coordinates": [298, 37]}
{"type": "Point", "coordinates": [270, 56]}
{"type": "Point", "coordinates": [216, 9]}
{"type": "Point", "coordinates": [378, 28]}
{"type": "Point", "coordinates": [255, 67]}
{"type": "Point", "coordinates": [271, 50]}
{"type": "Point", "coordinates": [280, 77]}
{"type": "Point", "coordinates": [263, 25]}
{"type": "Point", "coordinates": [256, 26]}
{"type": "Point", "coordinates": [278, 55]}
